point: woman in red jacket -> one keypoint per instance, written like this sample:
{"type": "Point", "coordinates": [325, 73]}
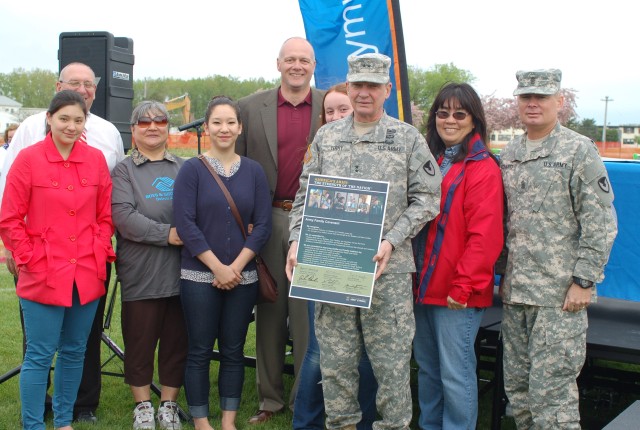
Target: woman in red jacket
{"type": "Point", "coordinates": [56, 221]}
{"type": "Point", "coordinates": [455, 254]}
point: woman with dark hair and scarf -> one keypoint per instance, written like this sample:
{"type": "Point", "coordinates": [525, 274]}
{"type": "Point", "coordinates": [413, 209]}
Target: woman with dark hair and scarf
{"type": "Point", "coordinates": [455, 254]}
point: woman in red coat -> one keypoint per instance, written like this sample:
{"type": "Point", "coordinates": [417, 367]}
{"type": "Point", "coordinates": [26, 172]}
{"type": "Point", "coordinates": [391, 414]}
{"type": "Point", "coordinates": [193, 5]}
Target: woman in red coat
{"type": "Point", "coordinates": [455, 254]}
{"type": "Point", "coordinates": [56, 221]}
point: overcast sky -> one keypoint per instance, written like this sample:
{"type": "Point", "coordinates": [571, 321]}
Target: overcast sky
{"type": "Point", "coordinates": [595, 45]}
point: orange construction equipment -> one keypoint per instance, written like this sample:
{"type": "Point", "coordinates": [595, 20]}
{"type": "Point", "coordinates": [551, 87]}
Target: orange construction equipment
{"type": "Point", "coordinates": [183, 102]}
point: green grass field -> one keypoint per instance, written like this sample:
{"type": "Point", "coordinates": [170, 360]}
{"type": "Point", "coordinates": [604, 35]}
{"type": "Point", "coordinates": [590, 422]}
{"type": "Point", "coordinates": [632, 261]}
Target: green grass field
{"type": "Point", "coordinates": [116, 402]}
{"type": "Point", "coordinates": [598, 406]}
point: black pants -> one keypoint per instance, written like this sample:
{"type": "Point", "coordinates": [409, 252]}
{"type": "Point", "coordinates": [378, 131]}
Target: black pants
{"type": "Point", "coordinates": [91, 383]}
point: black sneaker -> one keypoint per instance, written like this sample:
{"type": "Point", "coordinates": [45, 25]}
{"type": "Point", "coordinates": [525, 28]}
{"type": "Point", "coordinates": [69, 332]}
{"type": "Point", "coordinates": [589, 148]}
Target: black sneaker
{"type": "Point", "coordinates": [85, 417]}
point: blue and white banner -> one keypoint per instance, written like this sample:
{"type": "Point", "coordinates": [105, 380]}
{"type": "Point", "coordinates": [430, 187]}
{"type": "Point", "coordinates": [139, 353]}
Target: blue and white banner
{"type": "Point", "coordinates": [339, 28]}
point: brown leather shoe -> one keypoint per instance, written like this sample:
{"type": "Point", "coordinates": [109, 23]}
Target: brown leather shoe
{"type": "Point", "coordinates": [261, 416]}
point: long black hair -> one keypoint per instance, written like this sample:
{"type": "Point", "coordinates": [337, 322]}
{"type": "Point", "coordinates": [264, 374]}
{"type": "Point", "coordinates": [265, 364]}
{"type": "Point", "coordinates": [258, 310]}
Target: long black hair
{"type": "Point", "coordinates": [463, 96]}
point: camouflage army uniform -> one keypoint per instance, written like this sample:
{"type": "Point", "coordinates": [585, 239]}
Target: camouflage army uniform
{"type": "Point", "coordinates": [396, 152]}
{"type": "Point", "coordinates": [560, 225]}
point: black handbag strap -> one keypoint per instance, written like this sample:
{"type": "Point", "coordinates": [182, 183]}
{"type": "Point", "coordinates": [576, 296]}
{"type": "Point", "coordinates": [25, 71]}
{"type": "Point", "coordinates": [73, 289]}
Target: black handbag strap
{"type": "Point", "coordinates": [225, 191]}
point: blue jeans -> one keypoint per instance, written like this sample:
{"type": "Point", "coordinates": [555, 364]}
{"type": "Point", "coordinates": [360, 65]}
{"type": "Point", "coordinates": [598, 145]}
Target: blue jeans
{"type": "Point", "coordinates": [212, 314]}
{"type": "Point", "coordinates": [308, 413]}
{"type": "Point", "coordinates": [49, 329]}
{"type": "Point", "coordinates": [443, 347]}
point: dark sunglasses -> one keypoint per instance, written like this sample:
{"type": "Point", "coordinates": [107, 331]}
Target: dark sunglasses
{"type": "Point", "coordinates": [145, 122]}
{"type": "Point", "coordinates": [459, 116]}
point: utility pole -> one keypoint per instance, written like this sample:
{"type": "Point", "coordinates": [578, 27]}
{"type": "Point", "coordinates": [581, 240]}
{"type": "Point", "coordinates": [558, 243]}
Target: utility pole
{"type": "Point", "coordinates": [606, 101]}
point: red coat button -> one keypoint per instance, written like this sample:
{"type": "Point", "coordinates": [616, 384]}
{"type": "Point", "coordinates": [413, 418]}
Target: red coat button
{"type": "Point", "coordinates": [72, 213]}
{"type": "Point", "coordinates": [54, 183]}
{"type": "Point", "coordinates": [72, 261]}
{"type": "Point", "coordinates": [66, 165]}
{"type": "Point", "coordinates": [72, 238]}
{"type": "Point", "coordinates": [70, 188]}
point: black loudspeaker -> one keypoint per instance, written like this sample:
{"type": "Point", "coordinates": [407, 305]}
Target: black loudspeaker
{"type": "Point", "coordinates": [111, 59]}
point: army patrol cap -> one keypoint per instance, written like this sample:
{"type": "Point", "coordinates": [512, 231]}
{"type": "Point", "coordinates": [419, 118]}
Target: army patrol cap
{"type": "Point", "coordinates": [538, 82]}
{"type": "Point", "coordinates": [369, 68]}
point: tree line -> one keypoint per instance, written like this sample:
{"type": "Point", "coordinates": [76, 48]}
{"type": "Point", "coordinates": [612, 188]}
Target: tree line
{"type": "Point", "coordinates": [35, 88]}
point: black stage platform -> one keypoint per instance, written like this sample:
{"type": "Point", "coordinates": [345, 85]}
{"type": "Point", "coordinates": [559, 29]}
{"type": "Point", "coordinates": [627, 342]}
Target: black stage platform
{"type": "Point", "coordinates": [613, 335]}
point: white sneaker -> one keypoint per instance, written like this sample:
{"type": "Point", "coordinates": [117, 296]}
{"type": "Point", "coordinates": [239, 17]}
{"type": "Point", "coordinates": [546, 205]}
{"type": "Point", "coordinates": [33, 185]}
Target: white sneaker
{"type": "Point", "coordinates": [168, 417]}
{"type": "Point", "coordinates": [143, 417]}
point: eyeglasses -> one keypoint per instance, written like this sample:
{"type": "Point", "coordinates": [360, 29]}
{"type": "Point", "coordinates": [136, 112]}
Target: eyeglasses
{"type": "Point", "coordinates": [145, 121]}
{"type": "Point", "coordinates": [459, 116]}
{"type": "Point", "coordinates": [88, 85]}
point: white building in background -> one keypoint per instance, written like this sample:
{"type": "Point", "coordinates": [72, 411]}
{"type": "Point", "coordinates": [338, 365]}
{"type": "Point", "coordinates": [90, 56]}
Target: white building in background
{"type": "Point", "coordinates": [9, 106]}
{"type": "Point", "coordinates": [628, 133]}
{"type": "Point", "coordinates": [5, 120]}
{"type": "Point", "coordinates": [9, 111]}
{"type": "Point", "coordinates": [500, 138]}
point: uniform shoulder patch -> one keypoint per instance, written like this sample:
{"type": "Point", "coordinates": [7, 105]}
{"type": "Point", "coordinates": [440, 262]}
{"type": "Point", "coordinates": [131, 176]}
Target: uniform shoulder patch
{"type": "Point", "coordinates": [307, 155]}
{"type": "Point", "coordinates": [429, 168]}
{"type": "Point", "coordinates": [603, 183]}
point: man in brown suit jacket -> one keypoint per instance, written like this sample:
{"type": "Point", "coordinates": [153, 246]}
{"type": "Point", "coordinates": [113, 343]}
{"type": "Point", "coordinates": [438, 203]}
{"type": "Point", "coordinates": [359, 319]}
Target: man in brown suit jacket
{"type": "Point", "coordinates": [278, 125]}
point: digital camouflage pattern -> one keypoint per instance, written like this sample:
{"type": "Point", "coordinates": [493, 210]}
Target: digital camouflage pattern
{"type": "Point", "coordinates": [560, 221]}
{"type": "Point", "coordinates": [368, 68]}
{"type": "Point", "coordinates": [538, 82]}
{"type": "Point", "coordinates": [544, 350]}
{"type": "Point", "coordinates": [396, 152]}
{"type": "Point", "coordinates": [386, 331]}
{"type": "Point", "coordinates": [560, 224]}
